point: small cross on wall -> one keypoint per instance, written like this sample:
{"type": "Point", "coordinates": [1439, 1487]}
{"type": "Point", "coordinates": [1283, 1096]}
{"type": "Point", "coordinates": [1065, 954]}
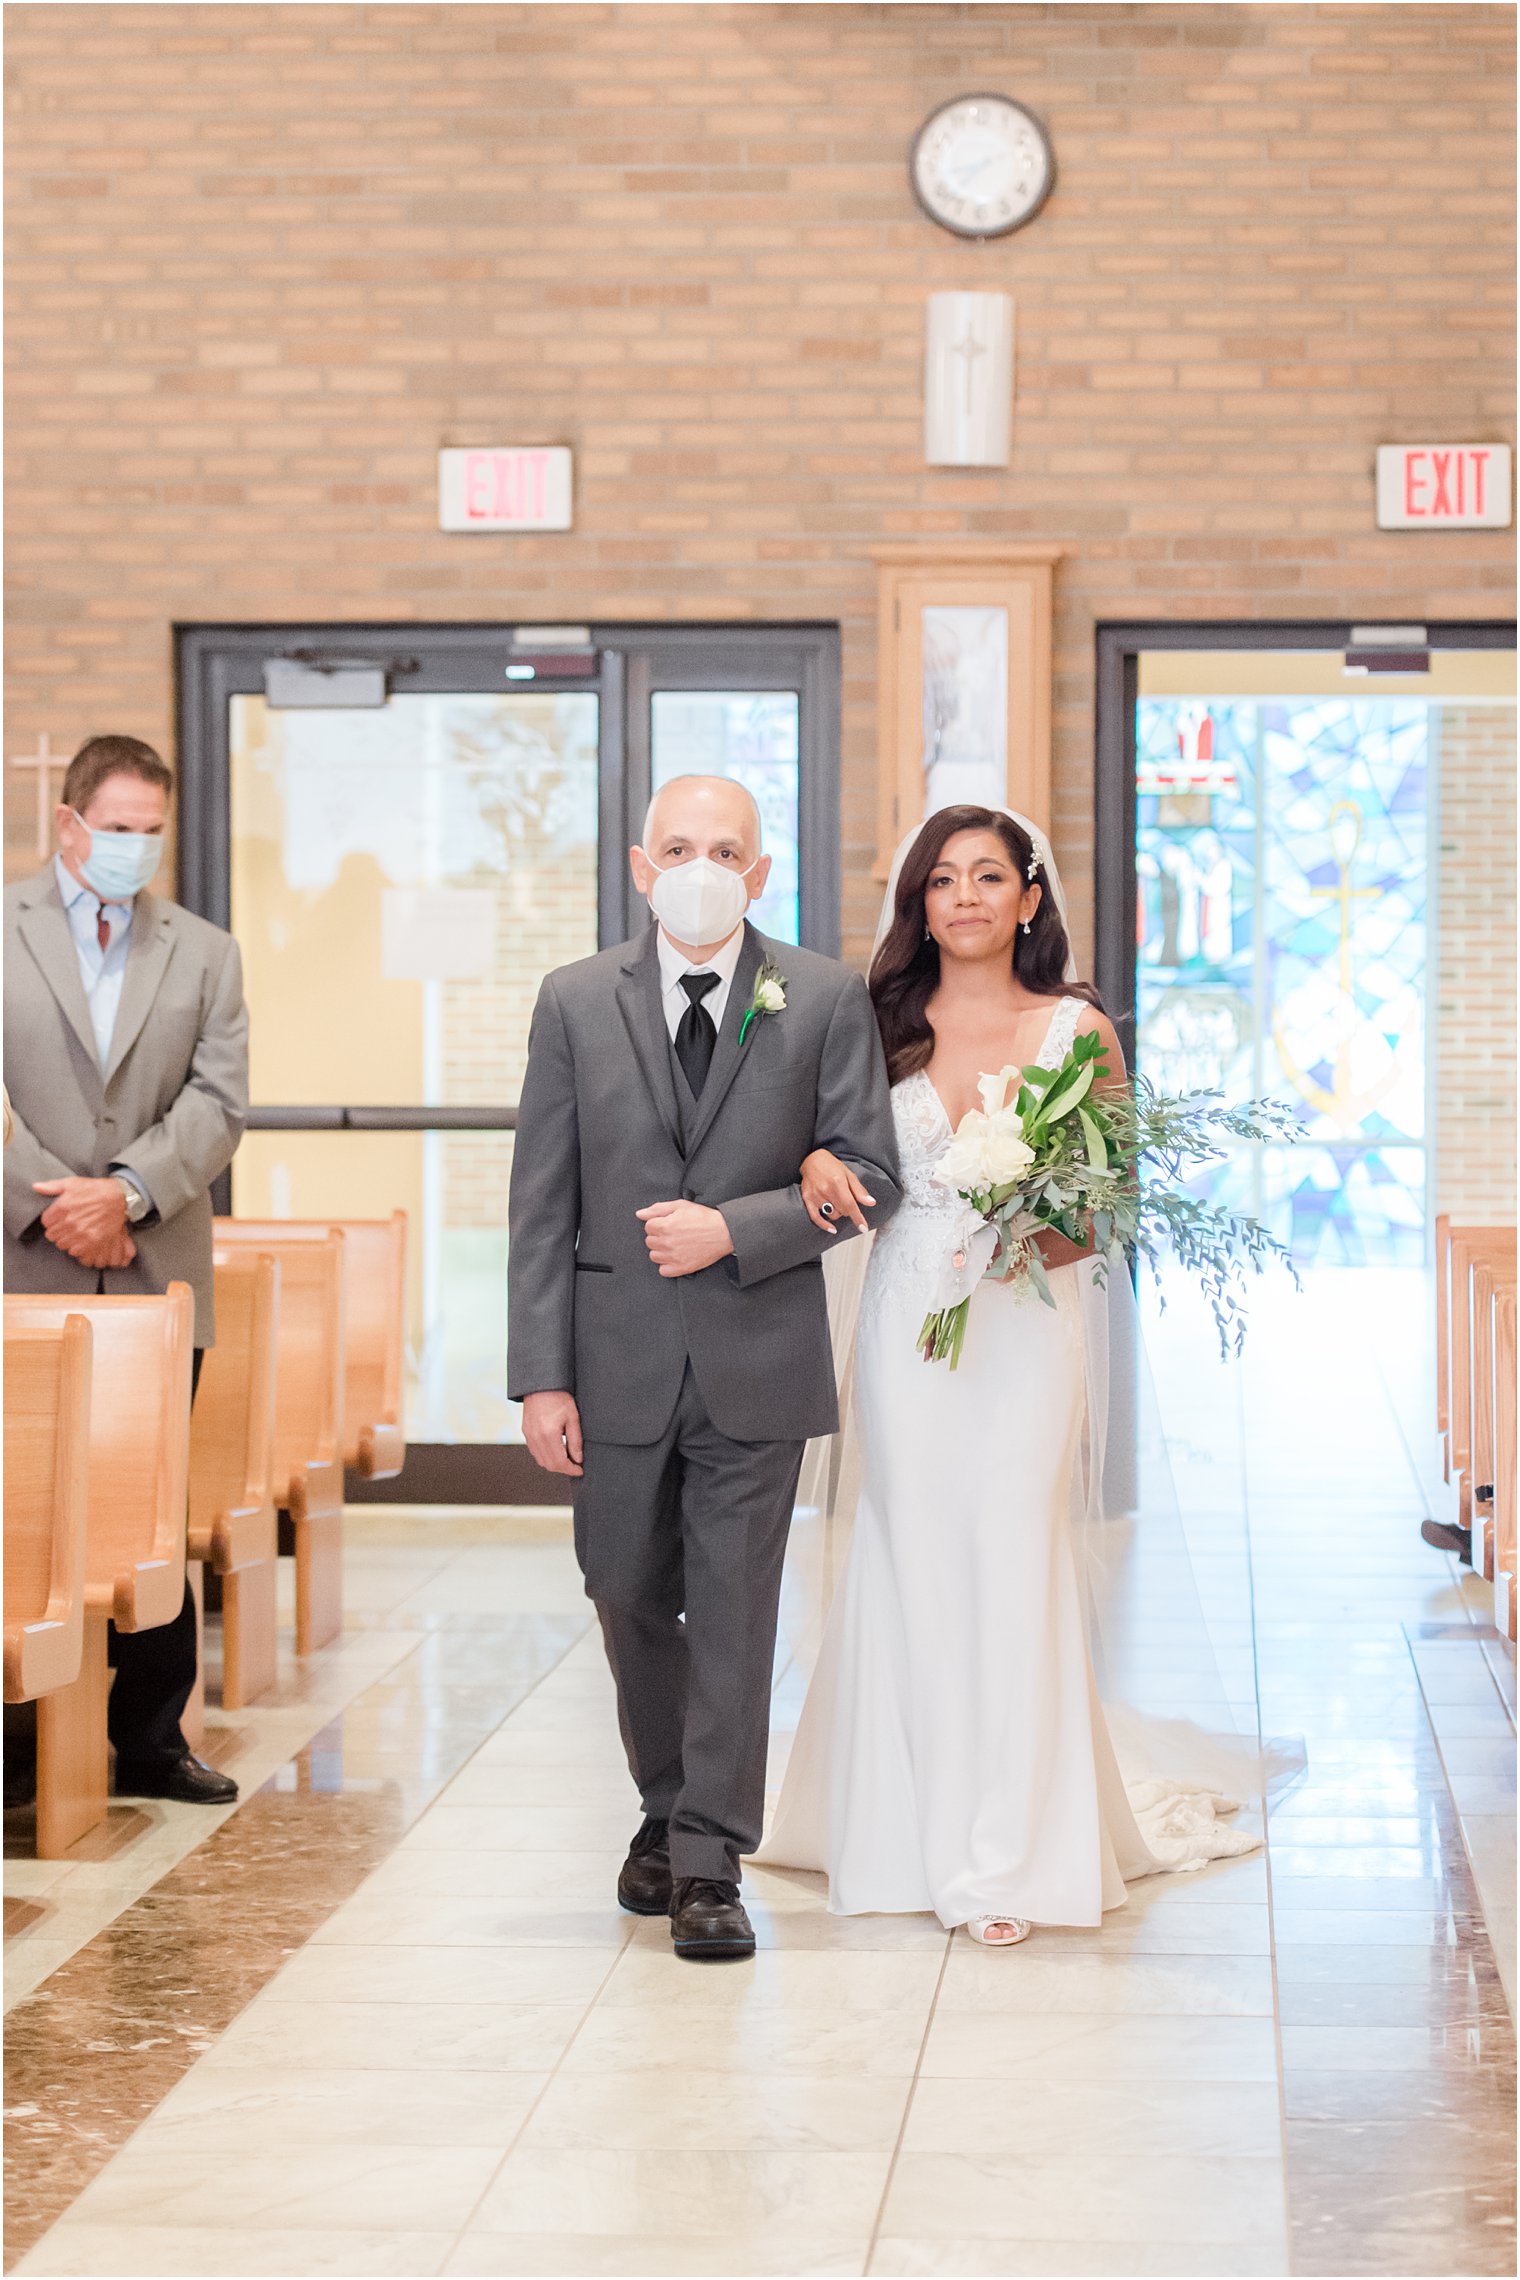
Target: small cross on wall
{"type": "Point", "coordinates": [42, 762]}
{"type": "Point", "coordinates": [970, 348]}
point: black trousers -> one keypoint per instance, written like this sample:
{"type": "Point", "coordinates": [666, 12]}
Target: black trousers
{"type": "Point", "coordinates": [155, 1675]}
{"type": "Point", "coordinates": [681, 1544]}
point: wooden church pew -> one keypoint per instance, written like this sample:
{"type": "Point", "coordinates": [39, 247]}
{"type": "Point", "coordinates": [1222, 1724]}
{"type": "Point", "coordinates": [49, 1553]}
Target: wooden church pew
{"type": "Point", "coordinates": [308, 1430]}
{"type": "Point", "coordinates": [1467, 1248]}
{"type": "Point", "coordinates": [232, 1511]}
{"type": "Point", "coordinates": [374, 1333]}
{"type": "Point", "coordinates": [1504, 1460]}
{"type": "Point", "coordinates": [1443, 1326]}
{"type": "Point", "coordinates": [1488, 1281]}
{"type": "Point", "coordinates": [47, 1492]}
{"type": "Point", "coordinates": [135, 1536]}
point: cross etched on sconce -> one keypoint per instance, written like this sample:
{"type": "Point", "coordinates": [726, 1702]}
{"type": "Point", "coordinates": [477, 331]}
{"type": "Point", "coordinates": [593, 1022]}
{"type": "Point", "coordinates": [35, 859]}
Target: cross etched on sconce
{"type": "Point", "coordinates": [970, 348]}
{"type": "Point", "coordinates": [968, 380]}
{"type": "Point", "coordinates": [42, 762]}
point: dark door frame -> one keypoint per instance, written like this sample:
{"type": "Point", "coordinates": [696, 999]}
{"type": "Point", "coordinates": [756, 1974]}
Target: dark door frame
{"type": "Point", "coordinates": [1119, 648]}
{"type": "Point", "coordinates": [628, 663]}
{"type": "Point", "coordinates": [653, 659]}
{"type": "Point", "coordinates": [214, 663]}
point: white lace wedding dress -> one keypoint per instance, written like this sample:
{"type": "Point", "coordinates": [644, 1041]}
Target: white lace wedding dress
{"type": "Point", "coordinates": [952, 1752]}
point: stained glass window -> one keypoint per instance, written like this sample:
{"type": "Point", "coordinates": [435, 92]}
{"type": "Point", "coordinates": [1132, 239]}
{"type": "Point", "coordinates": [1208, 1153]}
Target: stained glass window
{"type": "Point", "coordinates": [1281, 850]}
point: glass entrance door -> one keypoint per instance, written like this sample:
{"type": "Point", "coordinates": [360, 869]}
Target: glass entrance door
{"type": "Point", "coordinates": [403, 869]}
{"type": "Point", "coordinates": [402, 879]}
{"type": "Point", "coordinates": [751, 735]}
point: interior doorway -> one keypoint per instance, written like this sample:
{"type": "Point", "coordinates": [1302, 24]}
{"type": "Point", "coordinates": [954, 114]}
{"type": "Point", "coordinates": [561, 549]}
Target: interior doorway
{"type": "Point", "coordinates": [1269, 803]}
{"type": "Point", "coordinates": [406, 827]}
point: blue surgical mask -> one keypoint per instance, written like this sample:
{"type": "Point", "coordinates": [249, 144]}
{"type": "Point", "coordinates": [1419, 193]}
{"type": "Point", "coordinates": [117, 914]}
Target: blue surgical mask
{"type": "Point", "coordinates": [120, 863]}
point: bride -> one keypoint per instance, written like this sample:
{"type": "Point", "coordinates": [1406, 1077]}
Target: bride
{"type": "Point", "coordinates": [953, 1752]}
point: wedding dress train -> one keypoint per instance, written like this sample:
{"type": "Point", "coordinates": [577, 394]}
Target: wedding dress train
{"type": "Point", "coordinates": [953, 1753]}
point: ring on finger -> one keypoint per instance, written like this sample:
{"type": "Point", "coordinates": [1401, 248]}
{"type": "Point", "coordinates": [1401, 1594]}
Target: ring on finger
{"type": "Point", "coordinates": [826, 1211]}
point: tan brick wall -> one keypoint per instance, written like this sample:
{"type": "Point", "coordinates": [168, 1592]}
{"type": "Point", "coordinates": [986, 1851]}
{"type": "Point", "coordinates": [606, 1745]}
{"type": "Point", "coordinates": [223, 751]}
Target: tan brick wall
{"type": "Point", "coordinates": [265, 260]}
{"type": "Point", "coordinates": [1473, 987]}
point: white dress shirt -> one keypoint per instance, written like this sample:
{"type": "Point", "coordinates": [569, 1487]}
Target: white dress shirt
{"type": "Point", "coordinates": [102, 972]}
{"type": "Point", "coordinates": [674, 963]}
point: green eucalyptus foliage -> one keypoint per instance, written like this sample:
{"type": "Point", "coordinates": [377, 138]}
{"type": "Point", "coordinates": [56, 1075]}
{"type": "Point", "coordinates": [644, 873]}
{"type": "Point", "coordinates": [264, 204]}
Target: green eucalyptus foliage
{"type": "Point", "coordinates": [1109, 1174]}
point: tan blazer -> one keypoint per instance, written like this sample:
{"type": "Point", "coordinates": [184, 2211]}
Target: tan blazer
{"type": "Point", "coordinates": [172, 1100]}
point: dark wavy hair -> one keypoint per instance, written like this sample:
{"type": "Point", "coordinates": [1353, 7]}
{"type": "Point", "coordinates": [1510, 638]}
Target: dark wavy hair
{"type": "Point", "coordinates": [905, 970]}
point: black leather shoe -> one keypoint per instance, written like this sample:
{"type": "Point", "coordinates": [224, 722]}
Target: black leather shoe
{"type": "Point", "coordinates": [1442, 1538]}
{"type": "Point", "coordinates": [708, 1923]}
{"type": "Point", "coordinates": [644, 1881]}
{"type": "Point", "coordinates": [184, 1779]}
{"type": "Point", "coordinates": [20, 1784]}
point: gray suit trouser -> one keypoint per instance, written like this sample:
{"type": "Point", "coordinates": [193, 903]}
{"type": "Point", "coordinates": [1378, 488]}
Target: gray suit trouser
{"type": "Point", "coordinates": [692, 1525]}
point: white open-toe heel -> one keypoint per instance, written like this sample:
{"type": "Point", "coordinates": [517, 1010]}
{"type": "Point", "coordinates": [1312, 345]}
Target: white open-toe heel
{"type": "Point", "coordinates": [1019, 1929]}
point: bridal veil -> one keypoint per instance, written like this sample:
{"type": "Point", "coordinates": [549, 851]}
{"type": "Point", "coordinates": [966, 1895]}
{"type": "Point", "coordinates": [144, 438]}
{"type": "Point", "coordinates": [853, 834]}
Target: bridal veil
{"type": "Point", "coordinates": [1178, 1691]}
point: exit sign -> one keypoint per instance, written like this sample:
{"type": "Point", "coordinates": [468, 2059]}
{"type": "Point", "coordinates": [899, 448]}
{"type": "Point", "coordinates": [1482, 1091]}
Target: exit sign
{"type": "Point", "coordinates": [1443, 486]}
{"type": "Point", "coordinates": [521, 488]}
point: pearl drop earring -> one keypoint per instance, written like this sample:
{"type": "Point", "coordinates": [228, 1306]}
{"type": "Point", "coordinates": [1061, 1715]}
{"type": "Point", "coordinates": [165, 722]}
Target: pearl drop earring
{"type": "Point", "coordinates": [1026, 926]}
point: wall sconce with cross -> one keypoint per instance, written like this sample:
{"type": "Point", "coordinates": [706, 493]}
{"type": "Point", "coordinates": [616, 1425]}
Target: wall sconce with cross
{"type": "Point", "coordinates": [968, 380]}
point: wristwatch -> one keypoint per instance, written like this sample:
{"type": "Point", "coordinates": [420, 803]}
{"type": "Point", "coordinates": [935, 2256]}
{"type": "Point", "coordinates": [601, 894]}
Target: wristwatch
{"type": "Point", "coordinates": [137, 1202]}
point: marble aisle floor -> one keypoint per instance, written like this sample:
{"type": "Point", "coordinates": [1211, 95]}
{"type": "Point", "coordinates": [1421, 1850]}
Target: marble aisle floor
{"type": "Point", "coordinates": [415, 2035]}
{"type": "Point", "coordinates": [139, 1948]}
{"type": "Point", "coordinates": [53, 1908]}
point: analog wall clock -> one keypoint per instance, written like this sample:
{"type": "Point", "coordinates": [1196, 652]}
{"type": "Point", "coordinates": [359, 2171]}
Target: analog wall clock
{"type": "Point", "coordinates": [981, 166]}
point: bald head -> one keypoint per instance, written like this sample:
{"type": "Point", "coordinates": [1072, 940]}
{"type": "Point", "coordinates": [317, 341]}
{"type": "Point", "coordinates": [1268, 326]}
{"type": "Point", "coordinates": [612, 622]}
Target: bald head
{"type": "Point", "coordinates": [693, 818]}
{"type": "Point", "coordinates": [700, 813]}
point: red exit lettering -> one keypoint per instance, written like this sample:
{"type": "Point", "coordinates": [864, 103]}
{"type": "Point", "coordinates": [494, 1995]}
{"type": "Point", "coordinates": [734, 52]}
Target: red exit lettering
{"type": "Point", "coordinates": [1440, 485]}
{"type": "Point", "coordinates": [506, 486]}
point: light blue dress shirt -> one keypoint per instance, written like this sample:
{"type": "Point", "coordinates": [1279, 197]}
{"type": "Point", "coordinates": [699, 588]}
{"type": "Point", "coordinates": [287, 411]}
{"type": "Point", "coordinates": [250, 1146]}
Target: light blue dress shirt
{"type": "Point", "coordinates": [101, 971]}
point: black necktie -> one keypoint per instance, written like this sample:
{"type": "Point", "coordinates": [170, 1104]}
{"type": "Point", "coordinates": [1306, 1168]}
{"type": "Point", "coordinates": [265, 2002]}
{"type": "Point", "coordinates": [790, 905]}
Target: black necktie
{"type": "Point", "coordinates": [696, 1036]}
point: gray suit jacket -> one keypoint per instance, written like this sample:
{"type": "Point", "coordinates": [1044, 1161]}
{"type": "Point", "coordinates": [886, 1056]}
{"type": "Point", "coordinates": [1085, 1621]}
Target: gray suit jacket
{"type": "Point", "coordinates": [172, 1100]}
{"type": "Point", "coordinates": [601, 1132]}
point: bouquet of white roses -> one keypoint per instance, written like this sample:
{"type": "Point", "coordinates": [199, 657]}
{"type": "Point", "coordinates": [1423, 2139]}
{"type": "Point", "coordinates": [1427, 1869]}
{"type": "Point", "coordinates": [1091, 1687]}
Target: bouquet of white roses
{"type": "Point", "coordinates": [1047, 1151]}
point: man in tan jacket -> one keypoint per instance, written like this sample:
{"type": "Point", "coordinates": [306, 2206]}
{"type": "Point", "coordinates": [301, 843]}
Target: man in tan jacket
{"type": "Point", "coordinates": [126, 1059]}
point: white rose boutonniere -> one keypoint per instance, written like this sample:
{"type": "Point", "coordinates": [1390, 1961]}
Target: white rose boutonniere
{"type": "Point", "coordinates": [768, 996]}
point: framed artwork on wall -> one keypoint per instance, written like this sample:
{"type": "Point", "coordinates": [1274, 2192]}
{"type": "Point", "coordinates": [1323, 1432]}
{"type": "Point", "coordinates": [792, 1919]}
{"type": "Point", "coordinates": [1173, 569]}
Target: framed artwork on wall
{"type": "Point", "coordinates": [963, 681]}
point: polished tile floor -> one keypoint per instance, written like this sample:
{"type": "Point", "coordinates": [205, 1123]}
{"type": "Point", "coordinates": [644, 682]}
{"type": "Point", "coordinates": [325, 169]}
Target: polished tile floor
{"type": "Point", "coordinates": [385, 2018]}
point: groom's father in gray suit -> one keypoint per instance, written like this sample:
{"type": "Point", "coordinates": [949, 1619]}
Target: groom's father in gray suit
{"type": "Point", "coordinates": [126, 1055]}
{"type": "Point", "coordinates": [668, 1336]}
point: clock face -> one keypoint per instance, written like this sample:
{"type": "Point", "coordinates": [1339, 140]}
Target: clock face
{"type": "Point", "coordinates": [981, 166]}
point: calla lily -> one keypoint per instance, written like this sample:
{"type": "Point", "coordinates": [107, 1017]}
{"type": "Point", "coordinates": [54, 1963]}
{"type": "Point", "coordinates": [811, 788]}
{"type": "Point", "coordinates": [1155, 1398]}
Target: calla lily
{"type": "Point", "coordinates": [995, 1091]}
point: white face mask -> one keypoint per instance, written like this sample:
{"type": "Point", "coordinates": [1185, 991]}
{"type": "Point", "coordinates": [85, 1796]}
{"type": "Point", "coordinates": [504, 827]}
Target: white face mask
{"type": "Point", "coordinates": [700, 901]}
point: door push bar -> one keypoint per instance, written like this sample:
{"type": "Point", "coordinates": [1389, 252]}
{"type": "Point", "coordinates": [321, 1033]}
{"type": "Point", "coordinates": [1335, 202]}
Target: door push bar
{"type": "Point", "coordinates": [483, 1119]}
